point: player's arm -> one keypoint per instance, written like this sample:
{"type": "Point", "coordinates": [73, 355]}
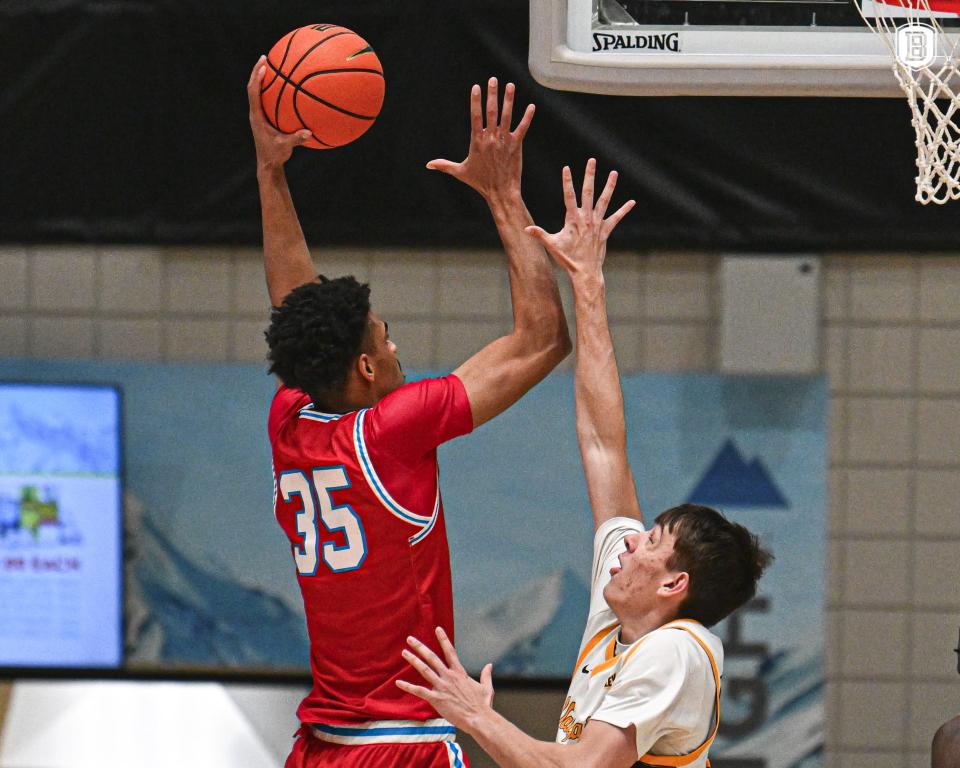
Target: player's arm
{"type": "Point", "coordinates": [468, 705]}
{"type": "Point", "coordinates": [500, 373]}
{"type": "Point", "coordinates": [579, 248]}
{"type": "Point", "coordinates": [286, 258]}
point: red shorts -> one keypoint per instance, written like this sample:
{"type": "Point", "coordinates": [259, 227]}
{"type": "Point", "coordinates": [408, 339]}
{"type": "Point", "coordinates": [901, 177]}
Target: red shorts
{"type": "Point", "coordinates": [310, 752]}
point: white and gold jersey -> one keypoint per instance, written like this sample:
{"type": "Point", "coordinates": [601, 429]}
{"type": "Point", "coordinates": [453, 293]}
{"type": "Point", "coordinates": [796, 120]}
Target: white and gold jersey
{"type": "Point", "coordinates": [666, 684]}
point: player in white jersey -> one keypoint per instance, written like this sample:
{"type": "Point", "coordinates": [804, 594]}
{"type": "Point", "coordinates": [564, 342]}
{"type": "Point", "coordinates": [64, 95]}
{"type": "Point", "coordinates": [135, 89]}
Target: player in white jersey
{"type": "Point", "coordinates": [646, 685]}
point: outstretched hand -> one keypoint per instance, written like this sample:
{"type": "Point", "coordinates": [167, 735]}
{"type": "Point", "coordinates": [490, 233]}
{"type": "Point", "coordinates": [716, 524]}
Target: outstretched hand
{"type": "Point", "coordinates": [581, 245]}
{"type": "Point", "coordinates": [454, 694]}
{"type": "Point", "coordinates": [494, 162]}
{"type": "Point", "coordinates": [273, 147]}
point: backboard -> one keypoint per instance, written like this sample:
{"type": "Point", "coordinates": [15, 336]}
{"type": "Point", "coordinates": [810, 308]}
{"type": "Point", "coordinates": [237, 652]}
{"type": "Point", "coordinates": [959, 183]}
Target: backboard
{"type": "Point", "coordinates": [710, 48]}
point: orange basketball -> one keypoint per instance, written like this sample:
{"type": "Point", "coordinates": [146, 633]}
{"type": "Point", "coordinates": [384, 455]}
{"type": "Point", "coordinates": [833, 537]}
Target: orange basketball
{"type": "Point", "coordinates": [324, 78]}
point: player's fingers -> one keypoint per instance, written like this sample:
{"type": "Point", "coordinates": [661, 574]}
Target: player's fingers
{"type": "Point", "coordinates": [444, 166]}
{"type": "Point", "coordinates": [253, 84]}
{"type": "Point", "coordinates": [416, 690]}
{"type": "Point", "coordinates": [537, 233]}
{"type": "Point", "coordinates": [586, 196]}
{"type": "Point", "coordinates": [486, 677]}
{"type": "Point", "coordinates": [524, 125]}
{"type": "Point", "coordinates": [604, 201]}
{"type": "Point", "coordinates": [453, 661]}
{"type": "Point", "coordinates": [617, 215]}
{"type": "Point", "coordinates": [476, 121]}
{"type": "Point", "coordinates": [427, 655]}
{"type": "Point", "coordinates": [425, 672]}
{"type": "Point", "coordinates": [506, 114]}
{"type": "Point", "coordinates": [569, 196]}
{"type": "Point", "coordinates": [492, 99]}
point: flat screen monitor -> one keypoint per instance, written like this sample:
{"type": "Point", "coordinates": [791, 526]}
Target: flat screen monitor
{"type": "Point", "coordinates": [61, 526]}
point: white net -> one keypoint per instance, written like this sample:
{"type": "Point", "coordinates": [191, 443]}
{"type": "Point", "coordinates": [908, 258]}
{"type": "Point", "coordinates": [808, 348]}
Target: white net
{"type": "Point", "coordinates": [925, 63]}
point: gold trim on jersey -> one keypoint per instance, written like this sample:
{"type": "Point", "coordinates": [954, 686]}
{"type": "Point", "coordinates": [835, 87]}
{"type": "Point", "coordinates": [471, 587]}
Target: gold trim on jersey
{"type": "Point", "coordinates": [609, 635]}
{"type": "Point", "coordinates": [676, 761]}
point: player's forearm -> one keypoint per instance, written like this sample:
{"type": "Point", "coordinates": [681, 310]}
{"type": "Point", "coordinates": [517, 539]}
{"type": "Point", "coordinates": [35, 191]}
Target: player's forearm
{"type": "Point", "coordinates": [597, 392]}
{"type": "Point", "coordinates": [286, 258]}
{"type": "Point", "coordinates": [601, 429]}
{"type": "Point", "coordinates": [537, 309]}
{"type": "Point", "coordinates": [512, 748]}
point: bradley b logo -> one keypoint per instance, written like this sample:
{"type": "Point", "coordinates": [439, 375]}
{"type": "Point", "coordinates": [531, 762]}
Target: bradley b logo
{"type": "Point", "coordinates": [916, 45]}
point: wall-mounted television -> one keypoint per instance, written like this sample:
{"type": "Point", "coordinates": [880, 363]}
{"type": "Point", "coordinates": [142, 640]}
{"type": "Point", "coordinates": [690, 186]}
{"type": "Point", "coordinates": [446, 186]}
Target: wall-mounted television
{"type": "Point", "coordinates": [61, 526]}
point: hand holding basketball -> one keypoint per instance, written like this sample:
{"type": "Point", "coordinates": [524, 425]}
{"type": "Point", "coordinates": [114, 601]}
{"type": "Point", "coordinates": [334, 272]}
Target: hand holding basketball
{"type": "Point", "coordinates": [494, 162]}
{"type": "Point", "coordinates": [323, 78]}
{"type": "Point", "coordinates": [273, 148]}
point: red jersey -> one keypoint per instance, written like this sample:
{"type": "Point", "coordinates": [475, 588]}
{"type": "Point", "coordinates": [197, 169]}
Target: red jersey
{"type": "Point", "coordinates": [358, 496]}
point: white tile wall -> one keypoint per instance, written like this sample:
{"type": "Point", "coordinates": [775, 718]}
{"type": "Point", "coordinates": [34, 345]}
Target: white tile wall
{"type": "Point", "coordinates": [876, 572]}
{"type": "Point", "coordinates": [939, 431]}
{"type": "Point", "coordinates": [939, 353]}
{"type": "Point", "coordinates": [875, 640]}
{"type": "Point", "coordinates": [125, 339]}
{"type": "Point", "coordinates": [892, 351]}
{"type": "Point", "coordinates": [197, 281]}
{"type": "Point", "coordinates": [932, 654]}
{"type": "Point", "coordinates": [940, 288]}
{"type": "Point", "coordinates": [196, 340]}
{"type": "Point", "coordinates": [881, 358]}
{"type": "Point", "coordinates": [14, 293]}
{"type": "Point", "coordinates": [878, 501]}
{"type": "Point", "coordinates": [679, 287]}
{"type": "Point", "coordinates": [872, 714]}
{"type": "Point", "coordinates": [61, 337]}
{"type": "Point", "coordinates": [676, 347]}
{"type": "Point", "coordinates": [13, 336]}
{"type": "Point", "coordinates": [63, 278]}
{"type": "Point", "coordinates": [938, 503]}
{"type": "Point", "coordinates": [879, 429]}
{"type": "Point", "coordinates": [882, 288]}
{"type": "Point", "coordinates": [130, 280]}
{"type": "Point", "coordinates": [476, 281]}
{"type": "Point", "coordinates": [936, 580]}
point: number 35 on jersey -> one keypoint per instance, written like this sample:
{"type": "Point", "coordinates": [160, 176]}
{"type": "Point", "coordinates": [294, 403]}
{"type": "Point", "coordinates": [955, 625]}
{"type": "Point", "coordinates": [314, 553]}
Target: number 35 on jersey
{"type": "Point", "coordinates": [313, 493]}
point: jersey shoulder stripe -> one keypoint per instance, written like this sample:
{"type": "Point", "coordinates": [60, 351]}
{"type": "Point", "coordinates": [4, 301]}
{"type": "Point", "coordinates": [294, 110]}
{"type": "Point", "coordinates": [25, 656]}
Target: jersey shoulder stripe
{"type": "Point", "coordinates": [373, 479]}
{"type": "Point", "coordinates": [308, 412]}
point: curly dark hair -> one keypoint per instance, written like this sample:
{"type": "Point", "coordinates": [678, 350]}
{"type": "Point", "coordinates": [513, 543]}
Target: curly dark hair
{"type": "Point", "coordinates": [724, 560]}
{"type": "Point", "coordinates": [317, 332]}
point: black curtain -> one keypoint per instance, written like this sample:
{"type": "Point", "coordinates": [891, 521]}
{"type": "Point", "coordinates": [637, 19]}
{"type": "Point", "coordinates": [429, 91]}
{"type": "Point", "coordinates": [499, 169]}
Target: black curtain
{"type": "Point", "coordinates": [125, 120]}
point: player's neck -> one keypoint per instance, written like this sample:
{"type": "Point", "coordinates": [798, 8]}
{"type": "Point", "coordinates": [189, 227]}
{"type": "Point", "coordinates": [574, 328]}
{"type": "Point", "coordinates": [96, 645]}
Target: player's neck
{"type": "Point", "coordinates": [351, 398]}
{"type": "Point", "coordinates": [632, 628]}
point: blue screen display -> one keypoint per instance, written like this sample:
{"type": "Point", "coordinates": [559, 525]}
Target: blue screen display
{"type": "Point", "coordinates": [61, 526]}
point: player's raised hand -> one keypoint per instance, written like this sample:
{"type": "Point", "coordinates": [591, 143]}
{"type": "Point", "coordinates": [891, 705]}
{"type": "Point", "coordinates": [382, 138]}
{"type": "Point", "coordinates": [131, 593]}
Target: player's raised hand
{"type": "Point", "coordinates": [494, 162]}
{"type": "Point", "coordinates": [581, 245]}
{"type": "Point", "coordinates": [453, 693]}
{"type": "Point", "coordinates": [273, 147]}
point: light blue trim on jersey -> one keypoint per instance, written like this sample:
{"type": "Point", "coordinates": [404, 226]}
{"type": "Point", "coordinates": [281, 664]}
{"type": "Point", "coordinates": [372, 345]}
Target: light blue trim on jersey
{"type": "Point", "coordinates": [311, 415]}
{"type": "Point", "coordinates": [417, 538]}
{"type": "Point", "coordinates": [381, 493]}
{"type": "Point", "coordinates": [454, 754]}
{"type": "Point", "coordinates": [387, 732]}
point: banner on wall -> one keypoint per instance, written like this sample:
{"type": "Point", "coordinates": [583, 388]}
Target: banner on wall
{"type": "Point", "coordinates": [207, 567]}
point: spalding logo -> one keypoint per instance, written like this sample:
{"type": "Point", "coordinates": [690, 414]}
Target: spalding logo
{"type": "Point", "coordinates": [663, 41]}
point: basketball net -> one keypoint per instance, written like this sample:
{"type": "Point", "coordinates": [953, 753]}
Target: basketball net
{"type": "Point", "coordinates": [926, 66]}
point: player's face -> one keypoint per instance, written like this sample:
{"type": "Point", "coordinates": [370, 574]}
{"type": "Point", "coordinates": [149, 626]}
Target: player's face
{"type": "Point", "coordinates": [642, 571]}
{"type": "Point", "coordinates": [383, 357]}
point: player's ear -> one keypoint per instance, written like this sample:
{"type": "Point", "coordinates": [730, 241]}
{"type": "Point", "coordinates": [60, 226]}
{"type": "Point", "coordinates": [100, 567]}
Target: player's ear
{"type": "Point", "coordinates": [365, 367]}
{"type": "Point", "coordinates": [675, 584]}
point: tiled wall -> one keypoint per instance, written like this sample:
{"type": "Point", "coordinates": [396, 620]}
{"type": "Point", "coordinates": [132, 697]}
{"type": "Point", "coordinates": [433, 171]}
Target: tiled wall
{"type": "Point", "coordinates": [891, 349]}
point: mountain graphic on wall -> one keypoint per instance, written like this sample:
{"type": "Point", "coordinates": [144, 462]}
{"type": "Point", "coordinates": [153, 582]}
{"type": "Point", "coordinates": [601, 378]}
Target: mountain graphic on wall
{"type": "Point", "coordinates": [734, 482]}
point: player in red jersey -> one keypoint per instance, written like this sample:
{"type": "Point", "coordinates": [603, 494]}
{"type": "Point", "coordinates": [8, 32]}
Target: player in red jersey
{"type": "Point", "coordinates": [354, 451]}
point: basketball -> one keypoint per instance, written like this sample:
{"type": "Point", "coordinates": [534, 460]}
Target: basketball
{"type": "Point", "coordinates": [325, 78]}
